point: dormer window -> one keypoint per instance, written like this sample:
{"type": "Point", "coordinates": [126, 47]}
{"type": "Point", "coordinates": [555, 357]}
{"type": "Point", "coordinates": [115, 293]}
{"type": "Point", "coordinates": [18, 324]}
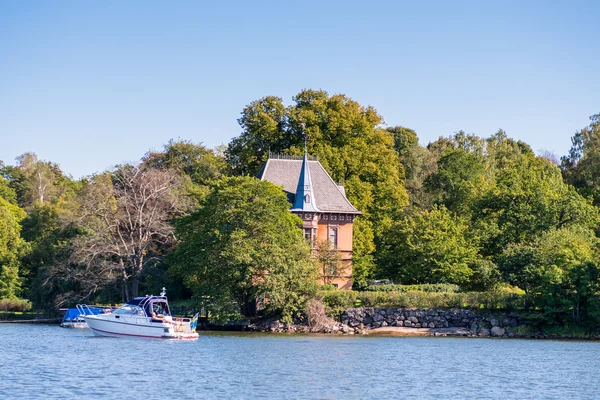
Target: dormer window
{"type": "Point", "coordinates": [307, 198]}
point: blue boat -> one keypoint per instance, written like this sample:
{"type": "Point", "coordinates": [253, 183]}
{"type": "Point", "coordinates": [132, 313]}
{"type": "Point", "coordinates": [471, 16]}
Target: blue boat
{"type": "Point", "coordinates": [74, 317]}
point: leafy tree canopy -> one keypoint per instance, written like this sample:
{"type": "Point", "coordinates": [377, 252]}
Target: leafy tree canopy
{"type": "Point", "coordinates": [429, 247]}
{"type": "Point", "coordinates": [559, 272]}
{"type": "Point", "coordinates": [7, 192]}
{"type": "Point", "coordinates": [34, 180]}
{"type": "Point", "coordinates": [581, 167]}
{"type": "Point", "coordinates": [350, 144]}
{"type": "Point", "coordinates": [244, 244]}
{"type": "Point", "coordinates": [528, 197]}
{"type": "Point", "coordinates": [12, 248]}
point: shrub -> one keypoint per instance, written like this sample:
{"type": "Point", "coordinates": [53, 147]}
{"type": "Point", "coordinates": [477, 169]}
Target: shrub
{"type": "Point", "coordinates": [427, 287]}
{"type": "Point", "coordinates": [12, 304]}
{"type": "Point", "coordinates": [338, 301]}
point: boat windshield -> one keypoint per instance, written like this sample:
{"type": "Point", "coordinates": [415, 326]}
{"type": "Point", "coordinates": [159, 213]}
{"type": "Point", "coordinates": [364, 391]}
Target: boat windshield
{"type": "Point", "coordinates": [128, 309]}
{"type": "Point", "coordinates": [160, 308]}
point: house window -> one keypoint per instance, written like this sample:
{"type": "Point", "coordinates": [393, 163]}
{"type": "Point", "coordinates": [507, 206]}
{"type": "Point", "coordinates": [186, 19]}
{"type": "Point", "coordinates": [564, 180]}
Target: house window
{"type": "Point", "coordinates": [333, 237]}
{"type": "Point", "coordinates": [308, 234]}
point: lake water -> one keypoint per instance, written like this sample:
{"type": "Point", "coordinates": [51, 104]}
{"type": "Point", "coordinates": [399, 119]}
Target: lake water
{"type": "Point", "coordinates": [49, 362]}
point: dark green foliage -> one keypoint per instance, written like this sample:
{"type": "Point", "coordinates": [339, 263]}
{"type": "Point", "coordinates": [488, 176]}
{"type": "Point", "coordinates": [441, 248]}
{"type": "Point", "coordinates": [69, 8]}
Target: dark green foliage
{"type": "Point", "coordinates": [243, 244]}
{"type": "Point", "coordinates": [581, 167]}
{"type": "Point", "coordinates": [559, 273]}
{"type": "Point", "coordinates": [350, 145]}
{"type": "Point", "coordinates": [528, 198]}
{"type": "Point", "coordinates": [428, 247]}
{"type": "Point", "coordinates": [201, 166]}
{"type": "Point", "coordinates": [49, 239]}
{"type": "Point", "coordinates": [458, 181]}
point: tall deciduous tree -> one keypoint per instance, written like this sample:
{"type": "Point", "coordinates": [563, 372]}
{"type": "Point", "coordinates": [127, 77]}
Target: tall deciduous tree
{"type": "Point", "coordinates": [458, 181]}
{"type": "Point", "coordinates": [528, 198]}
{"type": "Point", "coordinates": [126, 218]}
{"type": "Point", "coordinates": [350, 145]}
{"type": "Point", "coordinates": [559, 271]}
{"type": "Point", "coordinates": [35, 181]}
{"type": "Point", "coordinates": [201, 165]}
{"type": "Point", "coordinates": [581, 167]}
{"type": "Point", "coordinates": [12, 248]}
{"type": "Point", "coordinates": [429, 247]}
{"type": "Point", "coordinates": [244, 244]}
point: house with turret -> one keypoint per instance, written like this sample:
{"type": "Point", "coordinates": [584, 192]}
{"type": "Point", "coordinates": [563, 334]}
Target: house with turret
{"type": "Point", "coordinates": [327, 215]}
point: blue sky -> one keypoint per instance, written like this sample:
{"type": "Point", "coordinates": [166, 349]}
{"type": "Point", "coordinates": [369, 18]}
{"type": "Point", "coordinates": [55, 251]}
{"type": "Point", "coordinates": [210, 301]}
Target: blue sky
{"type": "Point", "coordinates": [92, 84]}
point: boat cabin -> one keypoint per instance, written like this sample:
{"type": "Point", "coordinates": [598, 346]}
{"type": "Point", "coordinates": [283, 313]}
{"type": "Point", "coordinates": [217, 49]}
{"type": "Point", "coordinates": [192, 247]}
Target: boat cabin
{"type": "Point", "coordinates": [145, 306]}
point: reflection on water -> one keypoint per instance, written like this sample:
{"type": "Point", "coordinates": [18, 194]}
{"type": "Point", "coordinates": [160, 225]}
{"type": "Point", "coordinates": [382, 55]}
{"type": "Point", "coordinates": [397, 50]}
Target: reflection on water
{"type": "Point", "coordinates": [50, 362]}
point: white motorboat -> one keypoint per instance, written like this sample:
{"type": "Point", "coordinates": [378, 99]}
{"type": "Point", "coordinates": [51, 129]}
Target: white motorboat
{"type": "Point", "coordinates": [144, 317]}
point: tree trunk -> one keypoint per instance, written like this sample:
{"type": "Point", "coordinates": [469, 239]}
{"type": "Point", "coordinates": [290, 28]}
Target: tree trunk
{"type": "Point", "coordinates": [249, 306]}
{"type": "Point", "coordinates": [135, 288]}
{"type": "Point", "coordinates": [125, 283]}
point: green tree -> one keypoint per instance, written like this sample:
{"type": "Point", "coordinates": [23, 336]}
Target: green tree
{"type": "Point", "coordinates": [458, 181]}
{"type": "Point", "coordinates": [12, 248]}
{"type": "Point", "coordinates": [7, 192]}
{"type": "Point", "coordinates": [558, 271]}
{"type": "Point", "coordinates": [49, 231]}
{"type": "Point", "coordinates": [350, 145]}
{"type": "Point", "coordinates": [429, 247]}
{"type": "Point", "coordinates": [201, 165]}
{"type": "Point", "coordinates": [35, 181]}
{"type": "Point", "coordinates": [581, 167]}
{"type": "Point", "coordinates": [528, 197]}
{"type": "Point", "coordinates": [244, 244]}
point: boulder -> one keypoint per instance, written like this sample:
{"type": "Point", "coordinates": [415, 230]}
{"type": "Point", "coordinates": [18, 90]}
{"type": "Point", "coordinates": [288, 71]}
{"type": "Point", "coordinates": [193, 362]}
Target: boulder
{"type": "Point", "coordinates": [497, 331]}
{"type": "Point", "coordinates": [484, 332]}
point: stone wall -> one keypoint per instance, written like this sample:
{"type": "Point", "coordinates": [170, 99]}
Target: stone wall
{"type": "Point", "coordinates": [477, 324]}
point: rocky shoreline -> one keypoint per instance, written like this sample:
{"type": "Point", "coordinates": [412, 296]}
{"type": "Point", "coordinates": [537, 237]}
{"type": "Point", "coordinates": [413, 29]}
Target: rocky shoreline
{"type": "Point", "coordinates": [417, 322]}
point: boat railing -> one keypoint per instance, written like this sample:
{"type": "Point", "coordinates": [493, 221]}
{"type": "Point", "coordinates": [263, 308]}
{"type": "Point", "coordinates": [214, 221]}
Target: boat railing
{"type": "Point", "coordinates": [85, 309]}
{"type": "Point", "coordinates": [181, 325]}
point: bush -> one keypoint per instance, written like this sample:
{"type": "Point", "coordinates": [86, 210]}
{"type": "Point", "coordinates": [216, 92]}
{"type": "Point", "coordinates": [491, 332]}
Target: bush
{"type": "Point", "coordinates": [17, 305]}
{"type": "Point", "coordinates": [427, 287]}
{"type": "Point", "coordinates": [338, 301]}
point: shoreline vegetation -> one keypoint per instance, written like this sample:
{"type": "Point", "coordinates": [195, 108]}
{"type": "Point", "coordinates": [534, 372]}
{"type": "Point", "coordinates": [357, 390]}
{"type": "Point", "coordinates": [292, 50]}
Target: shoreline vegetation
{"type": "Point", "coordinates": [465, 222]}
{"type": "Point", "coordinates": [275, 326]}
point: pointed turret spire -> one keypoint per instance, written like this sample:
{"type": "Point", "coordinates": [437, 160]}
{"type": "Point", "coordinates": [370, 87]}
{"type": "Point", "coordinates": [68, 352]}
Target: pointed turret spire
{"type": "Point", "coordinates": [305, 198]}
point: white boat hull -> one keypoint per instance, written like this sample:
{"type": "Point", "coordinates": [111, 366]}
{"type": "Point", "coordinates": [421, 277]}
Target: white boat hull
{"type": "Point", "coordinates": [114, 325]}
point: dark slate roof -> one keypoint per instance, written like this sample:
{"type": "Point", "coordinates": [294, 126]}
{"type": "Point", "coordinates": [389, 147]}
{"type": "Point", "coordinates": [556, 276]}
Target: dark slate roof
{"type": "Point", "coordinates": [328, 195]}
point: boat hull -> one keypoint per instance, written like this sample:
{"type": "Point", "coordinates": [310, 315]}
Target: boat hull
{"type": "Point", "coordinates": [112, 325]}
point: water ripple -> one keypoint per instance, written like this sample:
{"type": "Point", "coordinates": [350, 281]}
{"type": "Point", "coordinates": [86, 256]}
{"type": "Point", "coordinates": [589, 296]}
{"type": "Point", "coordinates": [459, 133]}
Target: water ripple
{"type": "Point", "coordinates": [54, 363]}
